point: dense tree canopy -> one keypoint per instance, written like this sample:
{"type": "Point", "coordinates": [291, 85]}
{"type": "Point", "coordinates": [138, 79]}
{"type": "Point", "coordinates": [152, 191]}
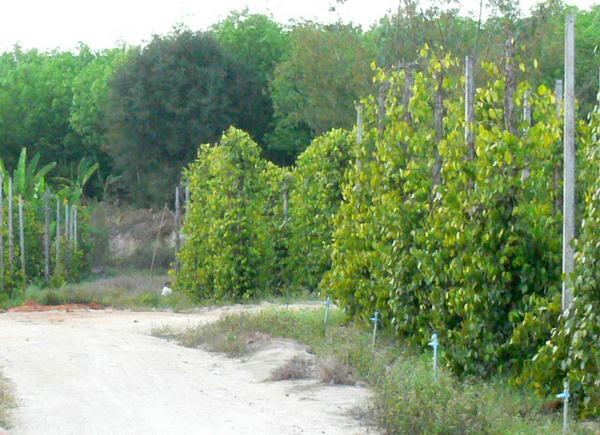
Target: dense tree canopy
{"type": "Point", "coordinates": [179, 91]}
{"type": "Point", "coordinates": [314, 89]}
{"type": "Point", "coordinates": [141, 112]}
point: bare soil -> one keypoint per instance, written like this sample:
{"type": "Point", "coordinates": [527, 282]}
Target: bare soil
{"type": "Point", "coordinates": [100, 372]}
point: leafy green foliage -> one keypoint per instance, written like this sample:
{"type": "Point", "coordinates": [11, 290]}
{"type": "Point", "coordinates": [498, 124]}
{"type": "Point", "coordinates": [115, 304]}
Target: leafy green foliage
{"type": "Point", "coordinates": [31, 188]}
{"type": "Point", "coordinates": [179, 90]}
{"type": "Point", "coordinates": [573, 351]}
{"type": "Point", "coordinates": [473, 255]}
{"type": "Point", "coordinates": [228, 252]}
{"type": "Point", "coordinates": [314, 201]}
{"type": "Point", "coordinates": [315, 86]}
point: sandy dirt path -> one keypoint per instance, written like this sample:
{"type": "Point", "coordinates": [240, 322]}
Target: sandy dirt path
{"type": "Point", "coordinates": [101, 372]}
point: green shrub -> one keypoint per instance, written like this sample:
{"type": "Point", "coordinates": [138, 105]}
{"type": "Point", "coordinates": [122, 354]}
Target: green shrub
{"type": "Point", "coordinates": [315, 199]}
{"type": "Point", "coordinates": [473, 254]}
{"type": "Point", "coordinates": [228, 252]}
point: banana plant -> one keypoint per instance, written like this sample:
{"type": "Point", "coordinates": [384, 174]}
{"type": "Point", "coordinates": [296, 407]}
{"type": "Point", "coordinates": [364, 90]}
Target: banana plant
{"type": "Point", "coordinates": [28, 180]}
{"type": "Point", "coordinates": [72, 190]}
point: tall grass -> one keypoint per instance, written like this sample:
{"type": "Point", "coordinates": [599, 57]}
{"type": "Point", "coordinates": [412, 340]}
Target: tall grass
{"type": "Point", "coordinates": [407, 397]}
{"type": "Point", "coordinates": [135, 290]}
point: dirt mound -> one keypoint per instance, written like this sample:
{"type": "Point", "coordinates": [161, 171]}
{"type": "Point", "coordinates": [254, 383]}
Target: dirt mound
{"type": "Point", "coordinates": [31, 306]}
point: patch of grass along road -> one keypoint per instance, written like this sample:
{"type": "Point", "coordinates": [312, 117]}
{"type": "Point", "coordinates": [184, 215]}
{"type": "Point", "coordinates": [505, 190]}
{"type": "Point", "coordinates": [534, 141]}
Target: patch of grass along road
{"type": "Point", "coordinates": [7, 403]}
{"type": "Point", "coordinates": [134, 290]}
{"type": "Point", "coordinates": [407, 398]}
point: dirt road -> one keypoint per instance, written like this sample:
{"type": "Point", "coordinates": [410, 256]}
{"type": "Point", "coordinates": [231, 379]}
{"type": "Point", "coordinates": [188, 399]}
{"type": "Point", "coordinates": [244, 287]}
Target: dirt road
{"type": "Point", "coordinates": [100, 372]}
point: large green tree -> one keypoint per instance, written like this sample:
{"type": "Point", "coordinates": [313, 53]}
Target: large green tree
{"type": "Point", "coordinates": [167, 98]}
{"type": "Point", "coordinates": [90, 98]}
{"type": "Point", "coordinates": [315, 87]}
{"type": "Point", "coordinates": [35, 106]}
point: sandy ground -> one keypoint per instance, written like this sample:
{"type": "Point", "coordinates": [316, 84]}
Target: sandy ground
{"type": "Point", "coordinates": [101, 372]}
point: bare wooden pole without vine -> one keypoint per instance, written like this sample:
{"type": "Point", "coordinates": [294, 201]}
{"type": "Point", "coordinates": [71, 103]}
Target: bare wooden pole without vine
{"type": "Point", "coordinates": [187, 197]}
{"type": "Point", "coordinates": [359, 139]}
{"type": "Point", "coordinates": [11, 239]}
{"type": "Point", "coordinates": [569, 164]}
{"type": "Point", "coordinates": [1, 232]}
{"type": "Point", "coordinates": [558, 92]}
{"type": "Point", "coordinates": [75, 237]}
{"type": "Point", "coordinates": [160, 226]}
{"type": "Point", "coordinates": [67, 222]}
{"type": "Point", "coordinates": [22, 238]}
{"type": "Point", "coordinates": [177, 227]}
{"type": "Point", "coordinates": [57, 265]}
{"type": "Point", "coordinates": [47, 212]}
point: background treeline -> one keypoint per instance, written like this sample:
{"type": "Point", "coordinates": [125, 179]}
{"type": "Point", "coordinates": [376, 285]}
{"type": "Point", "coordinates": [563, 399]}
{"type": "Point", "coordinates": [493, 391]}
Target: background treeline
{"type": "Point", "coordinates": [142, 111]}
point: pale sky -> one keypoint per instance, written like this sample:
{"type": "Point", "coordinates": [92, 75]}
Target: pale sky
{"type": "Point", "coordinates": [47, 24]}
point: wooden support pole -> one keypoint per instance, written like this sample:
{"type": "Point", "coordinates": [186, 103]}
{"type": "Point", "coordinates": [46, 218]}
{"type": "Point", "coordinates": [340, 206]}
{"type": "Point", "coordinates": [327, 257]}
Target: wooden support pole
{"type": "Point", "coordinates": [22, 238]}
{"type": "Point", "coordinates": [2, 283]}
{"type": "Point", "coordinates": [75, 229]}
{"type": "Point", "coordinates": [11, 230]}
{"type": "Point", "coordinates": [67, 223]}
{"type": "Point", "coordinates": [58, 233]}
{"type": "Point", "coordinates": [285, 191]}
{"type": "Point", "coordinates": [558, 92]}
{"type": "Point", "coordinates": [359, 141]}
{"type": "Point", "coordinates": [177, 228]}
{"type": "Point", "coordinates": [160, 226]}
{"type": "Point", "coordinates": [510, 118]}
{"type": "Point", "coordinates": [569, 164]}
{"type": "Point", "coordinates": [47, 218]}
{"type": "Point", "coordinates": [187, 197]}
{"type": "Point", "coordinates": [470, 114]}
{"type": "Point", "coordinates": [439, 128]}
{"type": "Point", "coordinates": [527, 121]}
{"type": "Point", "coordinates": [470, 107]}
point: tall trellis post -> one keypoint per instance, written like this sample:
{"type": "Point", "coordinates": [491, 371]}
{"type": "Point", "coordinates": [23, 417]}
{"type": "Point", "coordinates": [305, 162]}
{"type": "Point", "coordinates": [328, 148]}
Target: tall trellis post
{"type": "Point", "coordinates": [470, 110]}
{"type": "Point", "coordinates": [57, 249]}
{"type": "Point", "coordinates": [47, 219]}
{"type": "Point", "coordinates": [558, 92]}
{"type": "Point", "coordinates": [2, 232]}
{"type": "Point", "coordinates": [359, 139]}
{"type": "Point", "coordinates": [177, 227]}
{"type": "Point", "coordinates": [11, 230]}
{"type": "Point", "coordinates": [75, 229]}
{"type": "Point", "coordinates": [568, 262]}
{"type": "Point", "coordinates": [22, 239]}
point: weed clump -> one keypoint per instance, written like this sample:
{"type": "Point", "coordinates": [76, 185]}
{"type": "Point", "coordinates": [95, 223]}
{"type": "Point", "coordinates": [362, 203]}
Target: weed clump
{"type": "Point", "coordinates": [299, 367]}
{"type": "Point", "coordinates": [7, 403]}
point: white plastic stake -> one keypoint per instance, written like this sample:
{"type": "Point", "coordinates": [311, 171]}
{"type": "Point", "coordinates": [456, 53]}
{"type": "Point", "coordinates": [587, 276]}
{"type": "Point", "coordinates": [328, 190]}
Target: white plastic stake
{"type": "Point", "coordinates": [435, 343]}
{"type": "Point", "coordinates": [565, 395]}
{"type": "Point", "coordinates": [375, 320]}
{"type": "Point", "coordinates": [327, 304]}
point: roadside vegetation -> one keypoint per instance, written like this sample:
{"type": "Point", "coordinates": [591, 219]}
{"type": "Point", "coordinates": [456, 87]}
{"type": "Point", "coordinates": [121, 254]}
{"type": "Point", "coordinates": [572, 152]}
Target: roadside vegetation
{"type": "Point", "coordinates": [129, 290]}
{"type": "Point", "coordinates": [407, 397]}
{"type": "Point", "coordinates": [7, 402]}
